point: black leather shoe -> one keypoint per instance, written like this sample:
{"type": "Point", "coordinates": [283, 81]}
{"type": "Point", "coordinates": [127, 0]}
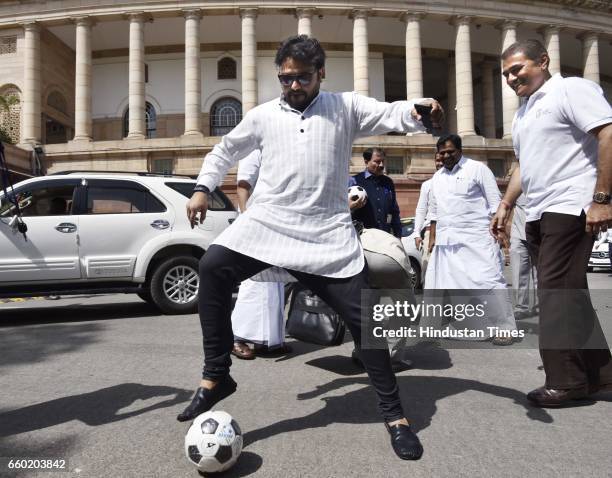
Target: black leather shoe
{"type": "Point", "coordinates": [204, 399]}
{"type": "Point", "coordinates": [404, 441]}
{"type": "Point", "coordinates": [553, 397]}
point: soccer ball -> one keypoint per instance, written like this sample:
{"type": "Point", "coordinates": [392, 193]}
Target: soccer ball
{"type": "Point", "coordinates": [357, 192]}
{"type": "Point", "coordinates": [213, 442]}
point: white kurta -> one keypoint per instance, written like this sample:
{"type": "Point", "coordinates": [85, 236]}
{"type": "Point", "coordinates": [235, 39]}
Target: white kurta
{"type": "Point", "coordinates": [466, 256]}
{"type": "Point", "coordinates": [258, 316]}
{"type": "Point", "coordinates": [298, 217]}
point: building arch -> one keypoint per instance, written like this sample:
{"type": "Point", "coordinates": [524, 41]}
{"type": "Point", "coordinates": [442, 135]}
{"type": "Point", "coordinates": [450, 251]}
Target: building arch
{"type": "Point", "coordinates": [150, 121]}
{"type": "Point", "coordinates": [217, 95]}
{"type": "Point", "coordinates": [225, 114]}
{"type": "Point", "coordinates": [10, 112]}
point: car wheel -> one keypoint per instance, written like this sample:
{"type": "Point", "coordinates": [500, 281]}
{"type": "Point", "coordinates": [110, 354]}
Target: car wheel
{"type": "Point", "coordinates": [174, 285]}
{"type": "Point", "coordinates": [589, 269]}
{"type": "Point", "coordinates": [416, 276]}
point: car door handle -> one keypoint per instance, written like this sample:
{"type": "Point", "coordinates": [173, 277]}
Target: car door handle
{"type": "Point", "coordinates": [160, 224]}
{"type": "Point", "coordinates": [66, 227]}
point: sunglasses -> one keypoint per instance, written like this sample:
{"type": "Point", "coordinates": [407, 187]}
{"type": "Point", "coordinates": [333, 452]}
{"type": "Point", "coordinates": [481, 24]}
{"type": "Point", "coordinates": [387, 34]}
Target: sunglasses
{"type": "Point", "coordinates": [303, 79]}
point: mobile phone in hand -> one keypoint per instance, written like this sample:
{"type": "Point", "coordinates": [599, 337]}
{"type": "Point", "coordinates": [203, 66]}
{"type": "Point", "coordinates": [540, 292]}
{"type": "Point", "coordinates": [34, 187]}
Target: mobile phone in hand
{"type": "Point", "coordinates": [425, 113]}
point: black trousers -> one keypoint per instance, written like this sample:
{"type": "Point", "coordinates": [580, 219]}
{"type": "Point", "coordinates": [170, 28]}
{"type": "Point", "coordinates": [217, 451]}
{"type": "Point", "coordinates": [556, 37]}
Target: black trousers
{"type": "Point", "coordinates": [221, 269]}
{"type": "Point", "coordinates": [560, 248]}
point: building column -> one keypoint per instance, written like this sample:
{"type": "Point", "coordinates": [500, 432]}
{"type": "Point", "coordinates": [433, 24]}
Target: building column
{"type": "Point", "coordinates": [488, 99]}
{"type": "Point", "coordinates": [304, 16]}
{"type": "Point", "coordinates": [82, 81]}
{"type": "Point", "coordinates": [414, 64]}
{"type": "Point", "coordinates": [31, 106]}
{"type": "Point", "coordinates": [463, 77]}
{"type": "Point", "coordinates": [590, 56]}
{"type": "Point", "coordinates": [193, 74]}
{"type": "Point", "coordinates": [361, 67]}
{"type": "Point", "coordinates": [451, 113]}
{"type": "Point", "coordinates": [551, 43]}
{"type": "Point", "coordinates": [249, 59]}
{"type": "Point", "coordinates": [137, 100]}
{"type": "Point", "coordinates": [510, 102]}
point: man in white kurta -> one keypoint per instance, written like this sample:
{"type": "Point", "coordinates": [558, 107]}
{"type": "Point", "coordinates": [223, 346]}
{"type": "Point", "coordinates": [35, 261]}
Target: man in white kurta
{"type": "Point", "coordinates": [422, 219]}
{"type": "Point", "coordinates": [299, 218]}
{"type": "Point", "coordinates": [464, 196]}
{"type": "Point", "coordinates": [258, 315]}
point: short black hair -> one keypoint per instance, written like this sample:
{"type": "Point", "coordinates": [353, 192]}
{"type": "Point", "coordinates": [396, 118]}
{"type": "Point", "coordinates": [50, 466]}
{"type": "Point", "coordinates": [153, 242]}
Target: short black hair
{"type": "Point", "coordinates": [367, 154]}
{"type": "Point", "coordinates": [532, 49]}
{"type": "Point", "coordinates": [301, 48]}
{"type": "Point", "coordinates": [453, 138]}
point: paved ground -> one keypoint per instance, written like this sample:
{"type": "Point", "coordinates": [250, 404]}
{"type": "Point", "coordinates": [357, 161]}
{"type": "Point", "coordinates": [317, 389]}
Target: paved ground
{"type": "Point", "coordinates": [99, 381]}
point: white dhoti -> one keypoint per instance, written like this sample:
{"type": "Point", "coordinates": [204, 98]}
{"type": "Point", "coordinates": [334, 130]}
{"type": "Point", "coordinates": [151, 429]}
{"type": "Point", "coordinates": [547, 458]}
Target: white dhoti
{"type": "Point", "coordinates": [258, 315]}
{"type": "Point", "coordinates": [474, 266]}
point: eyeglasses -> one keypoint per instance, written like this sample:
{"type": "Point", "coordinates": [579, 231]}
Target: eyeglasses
{"type": "Point", "coordinates": [303, 79]}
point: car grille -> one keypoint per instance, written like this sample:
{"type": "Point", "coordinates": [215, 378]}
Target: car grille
{"type": "Point", "coordinates": [599, 255]}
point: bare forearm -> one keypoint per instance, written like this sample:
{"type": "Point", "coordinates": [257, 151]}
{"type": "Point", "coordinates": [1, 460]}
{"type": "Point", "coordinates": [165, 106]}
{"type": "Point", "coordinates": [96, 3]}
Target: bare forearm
{"type": "Point", "coordinates": [514, 187]}
{"type": "Point", "coordinates": [604, 161]}
{"type": "Point", "coordinates": [243, 196]}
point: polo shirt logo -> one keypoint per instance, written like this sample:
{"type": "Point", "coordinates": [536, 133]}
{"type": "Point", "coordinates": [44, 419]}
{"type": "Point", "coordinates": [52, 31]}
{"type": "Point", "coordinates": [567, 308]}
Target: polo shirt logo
{"type": "Point", "coordinates": [541, 112]}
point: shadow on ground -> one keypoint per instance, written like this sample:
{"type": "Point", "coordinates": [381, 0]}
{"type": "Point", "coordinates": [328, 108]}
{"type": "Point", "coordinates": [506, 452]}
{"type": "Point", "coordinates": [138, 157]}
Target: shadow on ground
{"type": "Point", "coordinates": [420, 395]}
{"type": "Point", "coordinates": [36, 343]}
{"type": "Point", "coordinates": [75, 313]}
{"type": "Point", "coordinates": [94, 408]}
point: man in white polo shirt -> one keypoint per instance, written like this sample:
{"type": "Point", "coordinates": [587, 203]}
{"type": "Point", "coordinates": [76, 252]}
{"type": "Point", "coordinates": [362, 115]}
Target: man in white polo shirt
{"type": "Point", "coordinates": [562, 137]}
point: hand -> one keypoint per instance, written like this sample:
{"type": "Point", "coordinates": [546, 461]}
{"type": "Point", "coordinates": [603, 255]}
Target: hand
{"type": "Point", "coordinates": [418, 242]}
{"type": "Point", "coordinates": [599, 218]}
{"type": "Point", "coordinates": [357, 203]}
{"type": "Point", "coordinates": [498, 223]}
{"type": "Point", "coordinates": [197, 204]}
{"type": "Point", "coordinates": [436, 115]}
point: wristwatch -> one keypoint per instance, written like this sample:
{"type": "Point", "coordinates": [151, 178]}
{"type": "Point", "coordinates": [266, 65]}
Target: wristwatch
{"type": "Point", "coordinates": [601, 198]}
{"type": "Point", "coordinates": [200, 188]}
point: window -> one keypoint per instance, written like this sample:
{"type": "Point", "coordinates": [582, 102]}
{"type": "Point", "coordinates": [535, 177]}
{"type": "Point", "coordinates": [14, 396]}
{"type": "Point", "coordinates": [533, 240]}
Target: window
{"type": "Point", "coordinates": [226, 69]}
{"type": "Point", "coordinates": [498, 166]}
{"type": "Point", "coordinates": [150, 121]}
{"type": "Point", "coordinates": [8, 45]}
{"type": "Point", "coordinates": [161, 166]}
{"type": "Point", "coordinates": [44, 200]}
{"type": "Point", "coordinates": [225, 114]}
{"type": "Point", "coordinates": [218, 200]}
{"type": "Point", "coordinates": [394, 165]}
{"type": "Point", "coordinates": [121, 200]}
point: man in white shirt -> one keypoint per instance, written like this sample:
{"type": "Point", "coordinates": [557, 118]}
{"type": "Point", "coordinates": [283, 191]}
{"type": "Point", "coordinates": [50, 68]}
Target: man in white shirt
{"type": "Point", "coordinates": [464, 195]}
{"type": "Point", "coordinates": [562, 138]}
{"type": "Point", "coordinates": [298, 218]}
{"type": "Point", "coordinates": [258, 315]}
{"type": "Point", "coordinates": [422, 218]}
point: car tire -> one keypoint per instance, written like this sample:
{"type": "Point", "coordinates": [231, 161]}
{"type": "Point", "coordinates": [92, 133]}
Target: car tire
{"type": "Point", "coordinates": [174, 285]}
{"type": "Point", "coordinates": [145, 295]}
{"type": "Point", "coordinates": [416, 280]}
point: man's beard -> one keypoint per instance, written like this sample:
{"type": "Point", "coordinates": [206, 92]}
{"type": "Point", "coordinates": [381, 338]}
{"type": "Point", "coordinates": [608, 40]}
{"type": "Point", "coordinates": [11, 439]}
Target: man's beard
{"type": "Point", "coordinates": [299, 100]}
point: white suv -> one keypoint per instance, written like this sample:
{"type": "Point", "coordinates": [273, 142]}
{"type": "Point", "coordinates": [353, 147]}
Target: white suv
{"type": "Point", "coordinates": [95, 232]}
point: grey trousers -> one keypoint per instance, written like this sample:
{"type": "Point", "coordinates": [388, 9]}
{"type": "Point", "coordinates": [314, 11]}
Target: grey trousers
{"type": "Point", "coordinates": [524, 277]}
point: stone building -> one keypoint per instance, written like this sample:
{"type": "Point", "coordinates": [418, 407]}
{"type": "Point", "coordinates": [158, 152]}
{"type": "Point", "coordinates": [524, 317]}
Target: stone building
{"type": "Point", "coordinates": [148, 86]}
